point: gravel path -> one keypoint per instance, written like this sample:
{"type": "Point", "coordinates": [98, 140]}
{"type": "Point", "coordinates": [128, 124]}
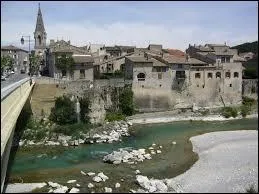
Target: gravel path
{"type": "Point", "coordinates": [228, 162]}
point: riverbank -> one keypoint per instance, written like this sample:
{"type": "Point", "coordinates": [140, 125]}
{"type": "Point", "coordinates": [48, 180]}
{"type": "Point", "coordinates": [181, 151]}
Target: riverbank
{"type": "Point", "coordinates": [166, 117]}
{"type": "Point", "coordinates": [228, 162]}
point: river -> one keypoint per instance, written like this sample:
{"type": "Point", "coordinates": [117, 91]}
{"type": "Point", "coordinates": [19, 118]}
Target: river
{"type": "Point", "coordinates": [60, 164]}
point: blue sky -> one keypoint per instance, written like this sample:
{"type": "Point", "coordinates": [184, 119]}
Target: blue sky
{"type": "Point", "coordinates": [173, 24]}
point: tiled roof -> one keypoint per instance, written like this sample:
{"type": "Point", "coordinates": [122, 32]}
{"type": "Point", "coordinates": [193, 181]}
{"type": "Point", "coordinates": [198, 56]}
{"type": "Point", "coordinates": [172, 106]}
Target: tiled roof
{"type": "Point", "coordinates": [11, 47]}
{"type": "Point", "coordinates": [141, 59]}
{"type": "Point", "coordinates": [83, 59]}
{"type": "Point", "coordinates": [175, 52]}
{"type": "Point", "coordinates": [182, 60]}
{"type": "Point", "coordinates": [157, 63]}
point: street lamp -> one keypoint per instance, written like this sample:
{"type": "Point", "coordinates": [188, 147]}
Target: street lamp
{"type": "Point", "coordinates": [22, 42]}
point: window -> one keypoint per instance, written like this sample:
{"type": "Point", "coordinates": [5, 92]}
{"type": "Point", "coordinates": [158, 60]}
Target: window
{"type": "Point", "coordinates": [209, 75]}
{"type": "Point", "coordinates": [159, 75]}
{"type": "Point", "coordinates": [218, 75]}
{"type": "Point", "coordinates": [39, 39]}
{"type": "Point", "coordinates": [82, 64]}
{"type": "Point", "coordinates": [235, 74]}
{"type": "Point", "coordinates": [82, 73]}
{"type": "Point", "coordinates": [230, 85]}
{"type": "Point", "coordinates": [142, 86]}
{"type": "Point", "coordinates": [141, 77]}
{"type": "Point", "coordinates": [180, 74]}
{"type": "Point", "coordinates": [227, 75]}
{"type": "Point", "coordinates": [180, 66]}
{"type": "Point", "coordinates": [160, 85]}
{"type": "Point", "coordinates": [197, 85]}
{"type": "Point", "coordinates": [197, 75]}
{"type": "Point", "coordinates": [253, 89]}
{"type": "Point", "coordinates": [222, 59]}
{"type": "Point", "coordinates": [227, 59]}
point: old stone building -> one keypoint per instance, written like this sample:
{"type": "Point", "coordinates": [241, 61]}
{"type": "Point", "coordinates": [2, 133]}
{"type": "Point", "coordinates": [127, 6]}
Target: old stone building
{"type": "Point", "coordinates": [83, 67]}
{"type": "Point", "coordinates": [204, 76]}
{"type": "Point", "coordinates": [20, 56]}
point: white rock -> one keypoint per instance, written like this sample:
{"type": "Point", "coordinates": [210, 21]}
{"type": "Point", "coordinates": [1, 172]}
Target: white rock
{"type": "Point", "coordinates": [137, 172]}
{"type": "Point", "coordinates": [83, 173]}
{"type": "Point", "coordinates": [173, 142]}
{"type": "Point", "coordinates": [77, 185]}
{"type": "Point", "coordinates": [158, 151]}
{"type": "Point", "coordinates": [153, 144]}
{"type": "Point", "coordinates": [62, 189]}
{"type": "Point", "coordinates": [117, 185]}
{"type": "Point", "coordinates": [160, 147]}
{"type": "Point", "coordinates": [92, 141]}
{"type": "Point", "coordinates": [50, 191]}
{"type": "Point", "coordinates": [71, 181]}
{"type": "Point", "coordinates": [153, 152]}
{"type": "Point", "coordinates": [107, 190]}
{"type": "Point", "coordinates": [129, 123]}
{"type": "Point", "coordinates": [74, 190]}
{"type": "Point", "coordinates": [90, 185]}
{"type": "Point", "coordinates": [103, 176]}
{"type": "Point", "coordinates": [117, 162]}
{"type": "Point", "coordinates": [151, 148]}
{"type": "Point", "coordinates": [91, 173]}
{"type": "Point", "coordinates": [122, 180]}
{"type": "Point", "coordinates": [105, 132]}
{"type": "Point", "coordinates": [147, 156]}
{"type": "Point", "coordinates": [97, 179]}
{"type": "Point", "coordinates": [54, 184]}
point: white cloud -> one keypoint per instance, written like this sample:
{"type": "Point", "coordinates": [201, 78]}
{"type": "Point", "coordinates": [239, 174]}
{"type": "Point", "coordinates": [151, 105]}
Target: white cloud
{"type": "Point", "coordinates": [138, 34]}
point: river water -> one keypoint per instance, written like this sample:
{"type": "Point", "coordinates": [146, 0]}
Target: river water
{"type": "Point", "coordinates": [60, 164]}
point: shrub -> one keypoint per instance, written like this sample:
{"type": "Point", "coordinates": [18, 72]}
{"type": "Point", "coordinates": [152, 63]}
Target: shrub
{"type": "Point", "coordinates": [248, 101]}
{"type": "Point", "coordinates": [229, 112]}
{"type": "Point", "coordinates": [111, 116]}
{"type": "Point", "coordinates": [245, 110]}
{"type": "Point", "coordinates": [204, 112]}
{"type": "Point", "coordinates": [72, 129]}
{"type": "Point", "coordinates": [126, 102]}
{"type": "Point", "coordinates": [64, 111]}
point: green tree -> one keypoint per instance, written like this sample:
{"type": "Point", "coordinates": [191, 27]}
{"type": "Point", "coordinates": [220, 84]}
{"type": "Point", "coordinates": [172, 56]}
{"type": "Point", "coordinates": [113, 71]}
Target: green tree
{"type": "Point", "coordinates": [84, 109]}
{"type": "Point", "coordinates": [64, 111]}
{"type": "Point", "coordinates": [35, 64]}
{"type": "Point", "coordinates": [126, 101]}
{"type": "Point", "coordinates": [65, 63]}
{"type": "Point", "coordinates": [6, 63]}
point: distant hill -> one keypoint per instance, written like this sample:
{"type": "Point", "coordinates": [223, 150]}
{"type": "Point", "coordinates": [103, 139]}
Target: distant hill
{"type": "Point", "coordinates": [247, 47]}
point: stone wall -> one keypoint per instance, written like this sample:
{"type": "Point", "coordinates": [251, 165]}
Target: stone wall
{"type": "Point", "coordinates": [250, 88]}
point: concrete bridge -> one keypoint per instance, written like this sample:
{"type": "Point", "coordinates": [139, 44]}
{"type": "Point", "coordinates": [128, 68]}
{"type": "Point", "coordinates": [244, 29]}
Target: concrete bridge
{"type": "Point", "coordinates": [13, 98]}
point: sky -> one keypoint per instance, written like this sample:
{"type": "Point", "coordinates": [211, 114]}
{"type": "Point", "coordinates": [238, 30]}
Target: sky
{"type": "Point", "coordinates": [174, 24]}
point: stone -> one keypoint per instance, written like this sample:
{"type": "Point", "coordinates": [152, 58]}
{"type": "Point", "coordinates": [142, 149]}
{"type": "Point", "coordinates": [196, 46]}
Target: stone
{"type": "Point", "coordinates": [160, 147]}
{"type": "Point", "coordinates": [117, 185]}
{"type": "Point", "coordinates": [137, 172]}
{"type": "Point", "coordinates": [90, 185]}
{"type": "Point", "coordinates": [103, 176]}
{"type": "Point", "coordinates": [150, 148]}
{"type": "Point", "coordinates": [50, 191]}
{"type": "Point", "coordinates": [71, 181]}
{"type": "Point", "coordinates": [122, 180]}
{"type": "Point", "coordinates": [92, 141]}
{"type": "Point", "coordinates": [153, 144]}
{"type": "Point", "coordinates": [153, 152]}
{"type": "Point", "coordinates": [53, 184]}
{"type": "Point", "coordinates": [117, 162]}
{"type": "Point", "coordinates": [83, 173]}
{"type": "Point", "coordinates": [107, 189]}
{"type": "Point", "coordinates": [158, 151]}
{"type": "Point", "coordinates": [97, 179]}
{"type": "Point", "coordinates": [147, 156]}
{"type": "Point", "coordinates": [62, 189]}
{"type": "Point", "coordinates": [129, 123]}
{"type": "Point", "coordinates": [173, 142]}
{"type": "Point", "coordinates": [74, 190]}
{"type": "Point", "coordinates": [77, 185]}
{"type": "Point", "coordinates": [132, 191]}
{"type": "Point", "coordinates": [91, 173]}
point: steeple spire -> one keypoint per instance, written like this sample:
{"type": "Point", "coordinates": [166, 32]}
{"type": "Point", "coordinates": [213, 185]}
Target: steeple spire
{"type": "Point", "coordinates": [39, 24]}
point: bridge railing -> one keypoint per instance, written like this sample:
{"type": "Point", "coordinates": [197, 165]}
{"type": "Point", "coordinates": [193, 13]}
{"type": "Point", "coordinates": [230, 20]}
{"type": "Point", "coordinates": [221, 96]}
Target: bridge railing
{"type": "Point", "coordinates": [13, 98]}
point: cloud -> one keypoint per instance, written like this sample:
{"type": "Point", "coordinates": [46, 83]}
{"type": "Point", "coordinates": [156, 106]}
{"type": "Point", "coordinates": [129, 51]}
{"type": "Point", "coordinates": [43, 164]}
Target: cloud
{"type": "Point", "coordinates": [127, 33]}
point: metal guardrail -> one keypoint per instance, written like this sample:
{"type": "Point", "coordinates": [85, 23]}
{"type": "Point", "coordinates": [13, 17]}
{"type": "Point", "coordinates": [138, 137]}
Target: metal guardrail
{"type": "Point", "coordinates": [9, 89]}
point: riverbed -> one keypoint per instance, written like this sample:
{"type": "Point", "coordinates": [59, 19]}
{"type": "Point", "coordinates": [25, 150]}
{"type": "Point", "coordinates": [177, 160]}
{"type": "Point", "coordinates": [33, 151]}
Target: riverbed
{"type": "Point", "coordinates": [60, 164]}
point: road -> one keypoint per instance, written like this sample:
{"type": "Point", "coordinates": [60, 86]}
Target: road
{"type": "Point", "coordinates": [12, 79]}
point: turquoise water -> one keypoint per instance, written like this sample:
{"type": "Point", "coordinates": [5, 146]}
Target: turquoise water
{"type": "Point", "coordinates": [173, 160]}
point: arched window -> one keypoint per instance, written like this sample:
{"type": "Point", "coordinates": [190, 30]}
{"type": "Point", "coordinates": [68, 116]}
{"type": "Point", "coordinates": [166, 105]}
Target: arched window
{"type": "Point", "coordinates": [141, 77]}
{"type": "Point", "coordinates": [227, 75]}
{"type": "Point", "coordinates": [209, 75]}
{"type": "Point", "coordinates": [235, 74]}
{"type": "Point", "coordinates": [39, 39]}
{"type": "Point", "coordinates": [218, 75]}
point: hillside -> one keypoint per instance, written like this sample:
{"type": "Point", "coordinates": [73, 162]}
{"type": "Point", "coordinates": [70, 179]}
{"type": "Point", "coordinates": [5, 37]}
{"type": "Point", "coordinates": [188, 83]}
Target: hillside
{"type": "Point", "coordinates": [247, 47]}
{"type": "Point", "coordinates": [251, 71]}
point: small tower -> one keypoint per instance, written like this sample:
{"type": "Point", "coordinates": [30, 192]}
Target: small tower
{"type": "Point", "coordinates": [40, 35]}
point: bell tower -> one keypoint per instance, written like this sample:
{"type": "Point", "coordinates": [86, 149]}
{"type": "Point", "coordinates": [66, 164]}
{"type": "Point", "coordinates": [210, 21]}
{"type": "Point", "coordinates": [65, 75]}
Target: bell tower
{"type": "Point", "coordinates": [40, 35]}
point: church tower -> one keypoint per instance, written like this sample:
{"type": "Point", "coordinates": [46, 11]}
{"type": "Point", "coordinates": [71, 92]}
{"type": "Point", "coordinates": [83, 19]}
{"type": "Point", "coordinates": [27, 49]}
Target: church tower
{"type": "Point", "coordinates": [40, 35]}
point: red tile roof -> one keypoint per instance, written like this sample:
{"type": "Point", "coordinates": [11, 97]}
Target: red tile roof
{"type": "Point", "coordinates": [176, 52]}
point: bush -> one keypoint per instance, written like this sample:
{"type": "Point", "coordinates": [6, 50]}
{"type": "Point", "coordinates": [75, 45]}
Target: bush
{"type": "Point", "coordinates": [72, 129]}
{"type": "Point", "coordinates": [229, 112]}
{"type": "Point", "coordinates": [64, 111]}
{"type": "Point", "coordinates": [248, 101]}
{"type": "Point", "coordinates": [111, 116]}
{"type": "Point", "coordinates": [126, 102]}
{"type": "Point", "coordinates": [204, 112]}
{"type": "Point", "coordinates": [245, 110]}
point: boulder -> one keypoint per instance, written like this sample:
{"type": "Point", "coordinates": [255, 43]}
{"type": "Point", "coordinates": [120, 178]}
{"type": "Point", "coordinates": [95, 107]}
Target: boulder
{"type": "Point", "coordinates": [77, 185]}
{"type": "Point", "coordinates": [173, 142]}
{"type": "Point", "coordinates": [91, 173]}
{"type": "Point", "coordinates": [83, 173]}
{"type": "Point", "coordinates": [160, 147]}
{"type": "Point", "coordinates": [62, 189]}
{"type": "Point", "coordinates": [74, 190]}
{"type": "Point", "coordinates": [90, 185]}
{"type": "Point", "coordinates": [97, 179]}
{"type": "Point", "coordinates": [54, 184]}
{"type": "Point", "coordinates": [117, 185]}
{"type": "Point", "coordinates": [137, 172]}
{"type": "Point", "coordinates": [71, 181]}
{"type": "Point", "coordinates": [158, 151]}
{"type": "Point", "coordinates": [103, 176]}
{"type": "Point", "coordinates": [107, 189]}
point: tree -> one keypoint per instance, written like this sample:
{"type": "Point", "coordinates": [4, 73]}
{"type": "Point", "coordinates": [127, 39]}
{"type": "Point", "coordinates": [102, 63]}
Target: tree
{"type": "Point", "coordinates": [65, 63]}
{"type": "Point", "coordinates": [6, 63]}
{"type": "Point", "coordinates": [35, 64]}
{"type": "Point", "coordinates": [126, 102]}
